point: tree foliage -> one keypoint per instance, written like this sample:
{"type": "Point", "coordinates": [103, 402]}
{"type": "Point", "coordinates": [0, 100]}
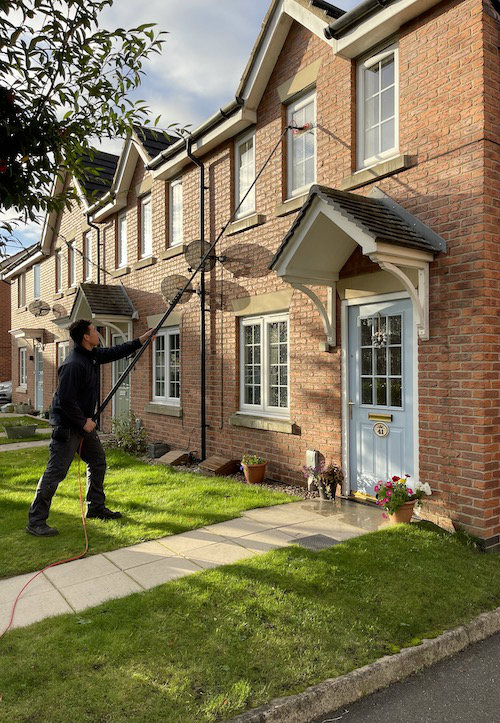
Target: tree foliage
{"type": "Point", "coordinates": [63, 81]}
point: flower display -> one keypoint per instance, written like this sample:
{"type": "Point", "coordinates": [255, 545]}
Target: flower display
{"type": "Point", "coordinates": [393, 493]}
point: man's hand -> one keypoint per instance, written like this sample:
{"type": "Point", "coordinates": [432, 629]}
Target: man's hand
{"type": "Point", "coordinates": [89, 425]}
{"type": "Point", "coordinates": [146, 336]}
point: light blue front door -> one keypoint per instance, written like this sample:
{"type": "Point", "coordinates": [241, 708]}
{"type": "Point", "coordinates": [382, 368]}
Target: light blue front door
{"type": "Point", "coordinates": [381, 393]}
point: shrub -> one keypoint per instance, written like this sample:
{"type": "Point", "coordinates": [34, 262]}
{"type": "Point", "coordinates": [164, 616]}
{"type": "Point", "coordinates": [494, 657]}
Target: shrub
{"type": "Point", "coordinates": [130, 434]}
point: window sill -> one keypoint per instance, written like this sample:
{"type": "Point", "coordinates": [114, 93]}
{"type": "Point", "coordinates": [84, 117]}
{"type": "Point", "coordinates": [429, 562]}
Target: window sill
{"type": "Point", "coordinates": [268, 424]}
{"type": "Point", "coordinates": [71, 290]}
{"type": "Point", "coordinates": [380, 170]}
{"type": "Point", "coordinates": [143, 263]}
{"type": "Point", "coordinates": [122, 271]}
{"type": "Point", "coordinates": [290, 205]}
{"type": "Point", "coordinates": [172, 251]}
{"type": "Point", "coordinates": [22, 389]}
{"type": "Point", "coordinates": [242, 224]}
{"type": "Point", "coordinates": [167, 410]}
{"type": "Point", "coordinates": [58, 295]}
{"type": "Point", "coordinates": [22, 308]}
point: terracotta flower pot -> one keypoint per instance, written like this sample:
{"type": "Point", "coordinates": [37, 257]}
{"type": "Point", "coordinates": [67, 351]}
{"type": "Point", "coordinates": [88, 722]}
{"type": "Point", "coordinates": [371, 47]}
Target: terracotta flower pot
{"type": "Point", "coordinates": [403, 514]}
{"type": "Point", "coordinates": [254, 473]}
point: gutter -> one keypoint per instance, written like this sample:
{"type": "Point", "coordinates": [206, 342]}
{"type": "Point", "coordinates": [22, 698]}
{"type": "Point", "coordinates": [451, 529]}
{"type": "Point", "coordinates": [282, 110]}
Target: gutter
{"type": "Point", "coordinates": [221, 115]}
{"type": "Point", "coordinates": [354, 17]}
{"type": "Point", "coordinates": [31, 258]}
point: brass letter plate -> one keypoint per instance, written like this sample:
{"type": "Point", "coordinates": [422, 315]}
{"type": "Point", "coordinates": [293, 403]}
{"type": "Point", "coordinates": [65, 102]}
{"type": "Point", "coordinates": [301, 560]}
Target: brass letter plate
{"type": "Point", "coordinates": [380, 417]}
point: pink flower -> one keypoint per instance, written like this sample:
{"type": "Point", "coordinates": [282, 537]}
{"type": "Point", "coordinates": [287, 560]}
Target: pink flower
{"type": "Point", "coordinates": [395, 478]}
{"type": "Point", "coordinates": [389, 485]}
{"type": "Point", "coordinates": [410, 491]}
{"type": "Point", "coordinates": [386, 499]}
{"type": "Point", "coordinates": [389, 493]}
{"type": "Point", "coordinates": [376, 488]}
{"type": "Point", "coordinates": [407, 475]}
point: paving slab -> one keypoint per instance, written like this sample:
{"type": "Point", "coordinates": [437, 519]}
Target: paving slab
{"type": "Point", "coordinates": [223, 553]}
{"type": "Point", "coordinates": [24, 445]}
{"type": "Point", "coordinates": [77, 571]}
{"type": "Point", "coordinates": [186, 541]}
{"type": "Point", "coordinates": [239, 527]}
{"type": "Point", "coordinates": [33, 608]}
{"type": "Point", "coordinates": [128, 557]}
{"type": "Point", "coordinates": [93, 592]}
{"type": "Point", "coordinates": [293, 512]}
{"type": "Point", "coordinates": [11, 586]}
{"type": "Point", "coordinates": [267, 540]}
{"type": "Point", "coordinates": [161, 571]}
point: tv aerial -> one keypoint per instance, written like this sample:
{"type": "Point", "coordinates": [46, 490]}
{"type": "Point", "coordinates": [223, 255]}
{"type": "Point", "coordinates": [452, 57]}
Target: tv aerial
{"type": "Point", "coordinates": [39, 308]}
{"type": "Point", "coordinates": [172, 285]}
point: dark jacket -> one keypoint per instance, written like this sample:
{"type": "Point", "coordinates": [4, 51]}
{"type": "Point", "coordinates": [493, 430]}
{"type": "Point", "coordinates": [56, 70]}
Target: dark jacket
{"type": "Point", "coordinates": [75, 399]}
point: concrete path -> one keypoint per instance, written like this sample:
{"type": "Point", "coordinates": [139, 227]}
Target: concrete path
{"type": "Point", "coordinates": [81, 584]}
{"type": "Point", "coordinates": [24, 445]}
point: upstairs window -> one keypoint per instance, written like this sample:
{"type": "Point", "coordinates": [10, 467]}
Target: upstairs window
{"type": "Point", "coordinates": [245, 174]}
{"type": "Point", "coordinates": [58, 258]}
{"type": "Point", "coordinates": [264, 365]}
{"type": "Point", "coordinates": [176, 216]}
{"type": "Point", "coordinates": [167, 367]}
{"type": "Point", "coordinates": [21, 290]}
{"type": "Point", "coordinates": [87, 256]}
{"type": "Point", "coordinates": [378, 107]}
{"type": "Point", "coordinates": [121, 243]}
{"type": "Point", "coordinates": [71, 264]}
{"type": "Point", "coordinates": [301, 145]}
{"type": "Point", "coordinates": [36, 281]}
{"type": "Point", "coordinates": [146, 228]}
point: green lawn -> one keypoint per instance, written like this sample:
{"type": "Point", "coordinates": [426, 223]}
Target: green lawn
{"type": "Point", "coordinates": [212, 644]}
{"type": "Point", "coordinates": [22, 421]}
{"type": "Point", "coordinates": [33, 438]}
{"type": "Point", "coordinates": [154, 500]}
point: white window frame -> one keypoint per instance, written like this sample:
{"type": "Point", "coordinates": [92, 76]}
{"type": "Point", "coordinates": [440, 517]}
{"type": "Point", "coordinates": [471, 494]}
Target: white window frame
{"type": "Point", "coordinates": [23, 371]}
{"type": "Point", "coordinates": [365, 64]}
{"type": "Point", "coordinates": [71, 264]}
{"type": "Point", "coordinates": [62, 352]}
{"type": "Point", "coordinates": [87, 256]}
{"type": "Point", "coordinates": [249, 204]}
{"type": "Point", "coordinates": [21, 290]}
{"type": "Point", "coordinates": [175, 216]}
{"type": "Point", "coordinates": [37, 281]}
{"type": "Point", "coordinates": [58, 260]}
{"type": "Point", "coordinates": [264, 408]}
{"type": "Point", "coordinates": [295, 106]}
{"type": "Point", "coordinates": [166, 399]}
{"type": "Point", "coordinates": [121, 241]}
{"type": "Point", "coordinates": [146, 241]}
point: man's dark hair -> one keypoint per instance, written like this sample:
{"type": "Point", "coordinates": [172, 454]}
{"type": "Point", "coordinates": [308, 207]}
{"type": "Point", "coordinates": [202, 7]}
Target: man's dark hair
{"type": "Point", "coordinates": [78, 329]}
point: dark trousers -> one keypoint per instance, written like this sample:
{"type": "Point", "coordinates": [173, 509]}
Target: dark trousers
{"type": "Point", "coordinates": [63, 446]}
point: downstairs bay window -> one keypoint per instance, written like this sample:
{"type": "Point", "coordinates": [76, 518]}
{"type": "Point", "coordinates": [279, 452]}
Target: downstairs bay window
{"type": "Point", "coordinates": [264, 362]}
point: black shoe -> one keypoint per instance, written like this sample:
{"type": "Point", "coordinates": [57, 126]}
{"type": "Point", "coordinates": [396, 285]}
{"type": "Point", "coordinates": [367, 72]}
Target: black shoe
{"type": "Point", "coordinates": [42, 530]}
{"type": "Point", "coordinates": [103, 514]}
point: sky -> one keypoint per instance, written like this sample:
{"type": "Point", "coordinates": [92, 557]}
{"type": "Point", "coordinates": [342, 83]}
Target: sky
{"type": "Point", "coordinates": [203, 58]}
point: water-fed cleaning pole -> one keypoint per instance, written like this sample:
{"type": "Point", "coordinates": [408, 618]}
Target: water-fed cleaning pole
{"type": "Point", "coordinates": [187, 285]}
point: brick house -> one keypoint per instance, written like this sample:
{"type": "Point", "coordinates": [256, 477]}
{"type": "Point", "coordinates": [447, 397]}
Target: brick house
{"type": "Point", "coordinates": [354, 306]}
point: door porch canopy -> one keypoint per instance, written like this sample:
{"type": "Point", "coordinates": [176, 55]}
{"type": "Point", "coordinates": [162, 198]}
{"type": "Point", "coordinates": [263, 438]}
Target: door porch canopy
{"type": "Point", "coordinates": [332, 224]}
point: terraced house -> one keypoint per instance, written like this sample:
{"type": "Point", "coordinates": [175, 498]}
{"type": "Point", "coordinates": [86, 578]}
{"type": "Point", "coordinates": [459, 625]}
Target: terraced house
{"type": "Point", "coordinates": [353, 305]}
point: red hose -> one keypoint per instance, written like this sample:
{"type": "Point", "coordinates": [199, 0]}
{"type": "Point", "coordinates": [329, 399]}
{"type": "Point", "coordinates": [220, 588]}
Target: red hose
{"type": "Point", "coordinates": [60, 562]}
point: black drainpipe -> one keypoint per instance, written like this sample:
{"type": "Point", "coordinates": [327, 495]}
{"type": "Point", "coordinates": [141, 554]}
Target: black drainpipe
{"type": "Point", "coordinates": [203, 410]}
{"type": "Point", "coordinates": [98, 260]}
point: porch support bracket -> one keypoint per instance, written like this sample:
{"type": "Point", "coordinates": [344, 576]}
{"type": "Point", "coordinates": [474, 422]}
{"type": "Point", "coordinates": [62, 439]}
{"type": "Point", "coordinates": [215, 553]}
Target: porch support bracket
{"type": "Point", "coordinates": [419, 296]}
{"type": "Point", "coordinates": [328, 314]}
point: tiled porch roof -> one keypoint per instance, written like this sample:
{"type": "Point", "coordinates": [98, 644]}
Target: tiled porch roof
{"type": "Point", "coordinates": [106, 300]}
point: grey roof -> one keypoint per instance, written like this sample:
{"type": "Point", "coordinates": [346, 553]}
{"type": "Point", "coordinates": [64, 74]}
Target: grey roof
{"type": "Point", "coordinates": [106, 300]}
{"type": "Point", "coordinates": [10, 261]}
{"type": "Point", "coordinates": [331, 11]}
{"type": "Point", "coordinates": [155, 140]}
{"type": "Point", "coordinates": [98, 182]}
{"type": "Point", "coordinates": [378, 214]}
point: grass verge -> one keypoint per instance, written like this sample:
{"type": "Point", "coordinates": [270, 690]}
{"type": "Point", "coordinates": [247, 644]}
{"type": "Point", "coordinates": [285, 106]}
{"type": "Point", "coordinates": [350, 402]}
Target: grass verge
{"type": "Point", "coordinates": [25, 421]}
{"type": "Point", "coordinates": [155, 501]}
{"type": "Point", "coordinates": [206, 647]}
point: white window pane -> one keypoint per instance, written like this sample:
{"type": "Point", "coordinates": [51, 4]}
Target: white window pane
{"type": "Point", "coordinates": [388, 140]}
{"type": "Point", "coordinates": [387, 104]}
{"type": "Point", "coordinates": [387, 72]}
{"type": "Point", "coordinates": [146, 229]}
{"type": "Point", "coordinates": [176, 214]}
{"type": "Point", "coordinates": [371, 142]}
{"type": "Point", "coordinates": [371, 81]}
{"type": "Point", "coordinates": [122, 241]}
{"type": "Point", "coordinates": [371, 112]}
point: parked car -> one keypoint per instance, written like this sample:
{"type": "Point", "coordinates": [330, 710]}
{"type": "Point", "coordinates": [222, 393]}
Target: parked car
{"type": "Point", "coordinates": [5, 392]}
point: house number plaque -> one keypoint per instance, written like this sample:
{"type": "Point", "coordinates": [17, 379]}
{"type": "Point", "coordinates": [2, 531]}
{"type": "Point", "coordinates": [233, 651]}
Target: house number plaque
{"type": "Point", "coordinates": [381, 429]}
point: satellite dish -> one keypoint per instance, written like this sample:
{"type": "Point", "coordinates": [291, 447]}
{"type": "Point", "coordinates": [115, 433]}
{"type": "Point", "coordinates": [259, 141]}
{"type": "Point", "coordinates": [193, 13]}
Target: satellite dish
{"type": "Point", "coordinates": [171, 285]}
{"type": "Point", "coordinates": [39, 307]}
{"type": "Point", "coordinates": [194, 252]}
{"type": "Point", "coordinates": [59, 311]}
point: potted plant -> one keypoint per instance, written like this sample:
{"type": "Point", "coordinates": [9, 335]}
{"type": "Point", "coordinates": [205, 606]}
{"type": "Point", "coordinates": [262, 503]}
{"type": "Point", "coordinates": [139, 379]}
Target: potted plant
{"type": "Point", "coordinates": [254, 468]}
{"type": "Point", "coordinates": [325, 477]}
{"type": "Point", "coordinates": [398, 499]}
